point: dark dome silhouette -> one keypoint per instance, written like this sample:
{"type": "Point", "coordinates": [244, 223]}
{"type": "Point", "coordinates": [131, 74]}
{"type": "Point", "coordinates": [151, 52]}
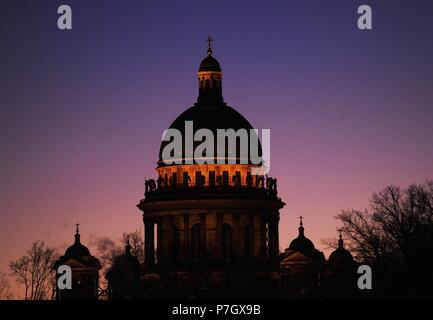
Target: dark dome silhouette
{"type": "Point", "coordinates": [85, 272]}
{"type": "Point", "coordinates": [340, 255]}
{"type": "Point", "coordinates": [223, 117]}
{"type": "Point", "coordinates": [77, 249]}
{"type": "Point", "coordinates": [124, 276]}
{"type": "Point", "coordinates": [301, 243]}
{"type": "Point", "coordinates": [125, 264]}
{"type": "Point", "coordinates": [210, 64]}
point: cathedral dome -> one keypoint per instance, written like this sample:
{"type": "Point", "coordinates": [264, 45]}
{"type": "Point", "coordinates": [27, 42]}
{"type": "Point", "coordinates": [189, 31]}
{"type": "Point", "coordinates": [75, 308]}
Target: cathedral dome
{"type": "Point", "coordinates": [223, 117]}
{"type": "Point", "coordinates": [210, 112]}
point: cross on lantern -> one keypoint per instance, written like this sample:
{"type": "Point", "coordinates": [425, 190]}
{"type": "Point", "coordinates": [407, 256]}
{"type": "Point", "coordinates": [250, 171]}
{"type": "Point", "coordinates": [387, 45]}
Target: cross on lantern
{"type": "Point", "coordinates": [209, 41]}
{"type": "Point", "coordinates": [209, 45]}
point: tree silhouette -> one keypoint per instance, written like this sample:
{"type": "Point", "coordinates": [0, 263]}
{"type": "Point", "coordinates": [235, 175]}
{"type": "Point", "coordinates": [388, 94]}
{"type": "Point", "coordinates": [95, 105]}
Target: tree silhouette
{"type": "Point", "coordinates": [5, 288]}
{"type": "Point", "coordinates": [136, 242]}
{"type": "Point", "coordinates": [34, 271]}
{"type": "Point", "coordinates": [395, 237]}
{"type": "Point", "coordinates": [108, 250]}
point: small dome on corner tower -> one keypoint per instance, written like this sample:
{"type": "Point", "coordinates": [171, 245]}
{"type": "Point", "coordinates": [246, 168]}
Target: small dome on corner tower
{"type": "Point", "coordinates": [340, 255]}
{"type": "Point", "coordinates": [77, 249]}
{"type": "Point", "coordinates": [301, 243]}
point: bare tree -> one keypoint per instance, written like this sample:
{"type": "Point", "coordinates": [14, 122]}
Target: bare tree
{"type": "Point", "coordinates": [365, 236]}
{"type": "Point", "coordinates": [136, 242]}
{"type": "Point", "coordinates": [34, 271]}
{"type": "Point", "coordinates": [399, 222]}
{"type": "Point", "coordinates": [330, 243]}
{"type": "Point", "coordinates": [108, 250]}
{"type": "Point", "coordinates": [5, 288]}
{"type": "Point", "coordinates": [395, 235]}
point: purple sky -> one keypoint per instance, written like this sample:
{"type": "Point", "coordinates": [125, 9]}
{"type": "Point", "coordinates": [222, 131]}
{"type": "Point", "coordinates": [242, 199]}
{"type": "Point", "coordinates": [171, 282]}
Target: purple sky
{"type": "Point", "coordinates": [82, 111]}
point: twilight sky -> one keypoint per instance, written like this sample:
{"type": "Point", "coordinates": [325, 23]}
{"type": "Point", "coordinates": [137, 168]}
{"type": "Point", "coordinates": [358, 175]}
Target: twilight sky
{"type": "Point", "coordinates": [82, 111]}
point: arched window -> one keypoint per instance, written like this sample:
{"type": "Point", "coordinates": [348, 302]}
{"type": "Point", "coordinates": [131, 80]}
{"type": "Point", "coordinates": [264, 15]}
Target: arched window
{"type": "Point", "coordinates": [227, 244]}
{"type": "Point", "coordinates": [195, 243]}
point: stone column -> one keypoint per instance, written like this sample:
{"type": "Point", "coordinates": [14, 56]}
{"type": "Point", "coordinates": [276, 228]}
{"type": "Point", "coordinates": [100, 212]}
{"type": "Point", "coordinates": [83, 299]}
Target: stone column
{"type": "Point", "coordinates": [146, 243]}
{"type": "Point", "coordinates": [219, 236]}
{"type": "Point", "coordinates": [271, 239]}
{"type": "Point", "coordinates": [186, 233]}
{"type": "Point", "coordinates": [170, 256]}
{"type": "Point", "coordinates": [149, 244]}
{"type": "Point", "coordinates": [276, 241]}
{"type": "Point", "coordinates": [159, 252]}
{"type": "Point", "coordinates": [263, 253]}
{"type": "Point", "coordinates": [236, 236]}
{"type": "Point", "coordinates": [203, 237]}
{"type": "Point", "coordinates": [274, 249]}
{"type": "Point", "coordinates": [252, 236]}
